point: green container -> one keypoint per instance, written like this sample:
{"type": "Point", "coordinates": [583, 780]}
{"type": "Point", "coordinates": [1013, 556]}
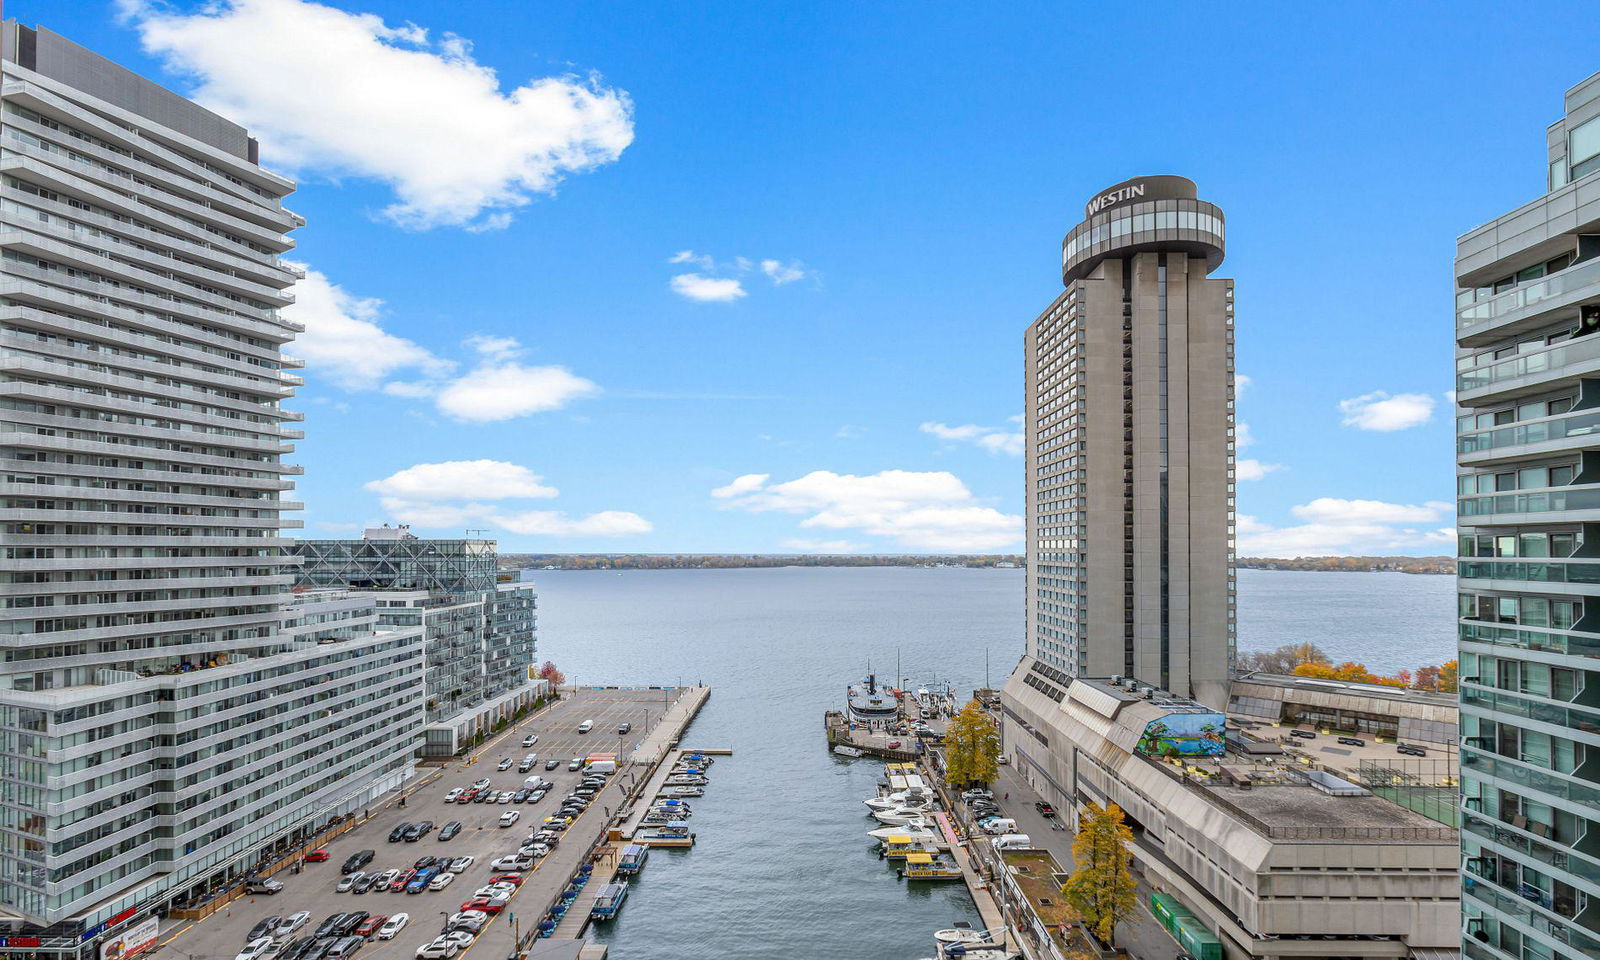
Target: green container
{"type": "Point", "coordinates": [1168, 911]}
{"type": "Point", "coordinates": [1196, 940]}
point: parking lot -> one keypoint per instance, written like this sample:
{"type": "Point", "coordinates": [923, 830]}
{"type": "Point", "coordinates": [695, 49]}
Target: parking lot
{"type": "Point", "coordinates": [223, 935]}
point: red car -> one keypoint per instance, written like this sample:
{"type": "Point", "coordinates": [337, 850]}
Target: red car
{"type": "Point", "coordinates": [467, 796]}
{"type": "Point", "coordinates": [484, 904]}
{"type": "Point", "coordinates": [317, 856]}
{"type": "Point", "coordinates": [401, 881]}
{"type": "Point", "coordinates": [513, 878]}
{"type": "Point", "coordinates": [370, 925]}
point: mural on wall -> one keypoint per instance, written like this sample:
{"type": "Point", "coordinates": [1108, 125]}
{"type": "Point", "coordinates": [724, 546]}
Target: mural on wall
{"type": "Point", "coordinates": [1184, 735]}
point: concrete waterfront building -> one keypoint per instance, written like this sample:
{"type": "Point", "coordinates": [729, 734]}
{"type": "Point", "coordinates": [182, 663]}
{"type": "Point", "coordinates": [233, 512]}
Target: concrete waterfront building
{"type": "Point", "coordinates": [167, 710]}
{"type": "Point", "coordinates": [1280, 846]}
{"type": "Point", "coordinates": [1129, 423]}
{"type": "Point", "coordinates": [479, 632]}
{"type": "Point", "coordinates": [1528, 466]}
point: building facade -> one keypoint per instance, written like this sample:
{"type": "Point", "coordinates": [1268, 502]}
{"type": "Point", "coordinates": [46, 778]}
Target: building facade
{"type": "Point", "coordinates": [1129, 425]}
{"type": "Point", "coordinates": [167, 711]}
{"type": "Point", "coordinates": [479, 633]}
{"type": "Point", "coordinates": [1528, 465]}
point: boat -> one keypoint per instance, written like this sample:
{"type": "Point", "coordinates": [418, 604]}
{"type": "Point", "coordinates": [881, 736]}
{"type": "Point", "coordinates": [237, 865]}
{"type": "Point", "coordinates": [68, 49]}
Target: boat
{"type": "Point", "coordinates": [675, 793]}
{"type": "Point", "coordinates": [905, 798]}
{"type": "Point", "coordinates": [686, 780]}
{"type": "Point", "coordinates": [902, 845]}
{"type": "Point", "coordinates": [674, 834]}
{"type": "Point", "coordinates": [871, 706]}
{"type": "Point", "coordinates": [632, 860]}
{"type": "Point", "coordinates": [899, 816]}
{"type": "Point", "coordinates": [978, 951]}
{"type": "Point", "coordinates": [679, 810]}
{"type": "Point", "coordinates": [609, 900]}
{"type": "Point", "coordinates": [844, 750]}
{"type": "Point", "coordinates": [928, 866]}
{"type": "Point", "coordinates": [963, 934]}
{"type": "Point", "coordinates": [656, 818]}
{"type": "Point", "coordinates": [915, 828]}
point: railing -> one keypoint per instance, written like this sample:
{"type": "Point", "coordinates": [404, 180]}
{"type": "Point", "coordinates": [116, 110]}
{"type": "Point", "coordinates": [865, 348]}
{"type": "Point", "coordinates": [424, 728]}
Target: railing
{"type": "Point", "coordinates": [1575, 425]}
{"type": "Point", "coordinates": [1587, 498]}
{"type": "Point", "coordinates": [1554, 358]}
{"type": "Point", "coordinates": [1525, 639]}
{"type": "Point", "coordinates": [1530, 571]}
{"type": "Point", "coordinates": [1565, 281]}
{"type": "Point", "coordinates": [1512, 705]}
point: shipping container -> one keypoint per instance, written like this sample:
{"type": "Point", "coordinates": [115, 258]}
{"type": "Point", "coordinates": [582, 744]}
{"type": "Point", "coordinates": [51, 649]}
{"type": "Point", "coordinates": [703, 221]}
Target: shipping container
{"type": "Point", "coordinates": [1167, 911]}
{"type": "Point", "coordinates": [1197, 941]}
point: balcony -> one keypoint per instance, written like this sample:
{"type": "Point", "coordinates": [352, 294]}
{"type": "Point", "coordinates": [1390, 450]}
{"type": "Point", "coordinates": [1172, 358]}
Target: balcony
{"type": "Point", "coordinates": [1509, 442]}
{"type": "Point", "coordinates": [1528, 303]}
{"type": "Point", "coordinates": [1523, 638]}
{"type": "Point", "coordinates": [1584, 572]}
{"type": "Point", "coordinates": [1510, 507]}
{"type": "Point", "coordinates": [1507, 704]}
{"type": "Point", "coordinates": [1528, 373]}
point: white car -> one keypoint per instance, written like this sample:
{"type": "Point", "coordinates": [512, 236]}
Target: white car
{"type": "Point", "coordinates": [441, 881]}
{"type": "Point", "coordinates": [494, 890]}
{"type": "Point", "coordinates": [454, 795]}
{"type": "Point", "coordinates": [511, 861]}
{"type": "Point", "coordinates": [468, 920]}
{"type": "Point", "coordinates": [256, 949]}
{"type": "Point", "coordinates": [393, 926]}
{"type": "Point", "coordinates": [510, 817]}
{"type": "Point", "coordinates": [505, 796]}
{"type": "Point", "coordinates": [463, 938]}
{"type": "Point", "coordinates": [530, 740]}
{"type": "Point", "coordinates": [504, 764]}
{"type": "Point", "coordinates": [291, 923]}
{"type": "Point", "coordinates": [440, 949]}
{"type": "Point", "coordinates": [349, 880]}
{"type": "Point", "coordinates": [460, 864]}
{"type": "Point", "coordinates": [482, 784]}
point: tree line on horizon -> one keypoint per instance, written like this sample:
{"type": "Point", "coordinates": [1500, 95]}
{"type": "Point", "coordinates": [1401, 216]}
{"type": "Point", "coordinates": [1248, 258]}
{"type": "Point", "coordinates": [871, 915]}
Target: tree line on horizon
{"type": "Point", "coordinates": [1309, 660]}
{"type": "Point", "coordinates": [713, 561]}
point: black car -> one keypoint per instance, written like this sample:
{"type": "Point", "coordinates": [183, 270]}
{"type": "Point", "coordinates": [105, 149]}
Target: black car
{"type": "Point", "coordinates": [552, 763]}
{"type": "Point", "coordinates": [357, 860]}
{"type": "Point", "coordinates": [521, 796]}
{"type": "Point", "coordinates": [263, 929]}
{"type": "Point", "coordinates": [291, 947]}
{"type": "Point", "coordinates": [399, 833]}
{"type": "Point", "coordinates": [449, 831]}
{"type": "Point", "coordinates": [319, 947]}
{"type": "Point", "coordinates": [424, 862]}
{"type": "Point", "coordinates": [325, 928]}
{"type": "Point", "coordinates": [624, 728]}
{"type": "Point", "coordinates": [349, 922]}
{"type": "Point", "coordinates": [367, 883]}
{"type": "Point", "coordinates": [417, 831]}
{"type": "Point", "coordinates": [1045, 810]}
{"type": "Point", "coordinates": [484, 796]}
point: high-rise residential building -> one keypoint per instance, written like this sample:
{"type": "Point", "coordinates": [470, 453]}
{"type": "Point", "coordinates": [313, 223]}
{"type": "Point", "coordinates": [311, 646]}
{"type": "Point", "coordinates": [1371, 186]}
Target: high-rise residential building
{"type": "Point", "coordinates": [1528, 465]}
{"type": "Point", "coordinates": [167, 710]}
{"type": "Point", "coordinates": [479, 632]}
{"type": "Point", "coordinates": [1129, 423]}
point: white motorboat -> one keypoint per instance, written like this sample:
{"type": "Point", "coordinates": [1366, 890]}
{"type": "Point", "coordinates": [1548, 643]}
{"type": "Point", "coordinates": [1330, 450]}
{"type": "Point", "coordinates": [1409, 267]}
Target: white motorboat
{"type": "Point", "coordinates": [845, 750]}
{"type": "Point", "coordinates": [900, 816]}
{"type": "Point", "coordinates": [916, 834]}
{"type": "Point", "coordinates": [963, 933]}
{"type": "Point", "coordinates": [905, 798]}
{"type": "Point", "coordinates": [913, 827]}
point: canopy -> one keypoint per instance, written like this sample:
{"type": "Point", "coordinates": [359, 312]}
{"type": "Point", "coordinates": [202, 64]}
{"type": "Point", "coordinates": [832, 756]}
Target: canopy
{"type": "Point", "coordinates": [899, 838]}
{"type": "Point", "coordinates": [920, 858]}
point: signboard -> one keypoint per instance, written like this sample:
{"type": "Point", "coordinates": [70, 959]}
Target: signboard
{"type": "Point", "coordinates": [19, 941]}
{"type": "Point", "coordinates": [131, 942]}
{"type": "Point", "coordinates": [1184, 735]}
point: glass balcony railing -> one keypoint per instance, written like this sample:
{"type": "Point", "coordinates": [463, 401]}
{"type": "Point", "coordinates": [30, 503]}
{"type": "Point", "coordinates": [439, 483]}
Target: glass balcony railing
{"type": "Point", "coordinates": [1524, 638]}
{"type": "Point", "coordinates": [1546, 501]}
{"type": "Point", "coordinates": [1476, 762]}
{"type": "Point", "coordinates": [1522, 909]}
{"type": "Point", "coordinates": [1511, 705]}
{"type": "Point", "coordinates": [1581, 424]}
{"type": "Point", "coordinates": [1553, 855]}
{"type": "Point", "coordinates": [1531, 571]}
{"type": "Point", "coordinates": [1576, 351]}
{"type": "Point", "coordinates": [1566, 281]}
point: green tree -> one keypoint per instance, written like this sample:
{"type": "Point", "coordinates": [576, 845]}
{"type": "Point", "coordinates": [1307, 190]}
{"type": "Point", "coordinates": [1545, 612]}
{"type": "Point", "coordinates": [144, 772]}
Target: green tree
{"type": "Point", "coordinates": [1101, 887]}
{"type": "Point", "coordinates": [971, 746]}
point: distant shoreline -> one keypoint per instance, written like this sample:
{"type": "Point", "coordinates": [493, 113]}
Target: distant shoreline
{"type": "Point", "coordinates": [1421, 565]}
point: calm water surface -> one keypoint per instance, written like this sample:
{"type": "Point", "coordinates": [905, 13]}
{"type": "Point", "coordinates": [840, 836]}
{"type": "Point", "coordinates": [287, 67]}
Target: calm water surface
{"type": "Point", "coordinates": [783, 867]}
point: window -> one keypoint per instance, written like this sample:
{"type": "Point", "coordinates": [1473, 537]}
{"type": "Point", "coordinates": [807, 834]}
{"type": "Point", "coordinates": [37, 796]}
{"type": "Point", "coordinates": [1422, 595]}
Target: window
{"type": "Point", "coordinates": [1558, 174]}
{"type": "Point", "coordinates": [1583, 148]}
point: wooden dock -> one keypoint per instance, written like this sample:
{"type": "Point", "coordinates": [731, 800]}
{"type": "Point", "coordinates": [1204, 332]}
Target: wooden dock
{"type": "Point", "coordinates": [872, 743]}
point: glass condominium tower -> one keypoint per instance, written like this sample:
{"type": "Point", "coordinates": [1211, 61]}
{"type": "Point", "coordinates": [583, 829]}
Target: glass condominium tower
{"type": "Point", "coordinates": [1528, 487]}
{"type": "Point", "coordinates": [1129, 423]}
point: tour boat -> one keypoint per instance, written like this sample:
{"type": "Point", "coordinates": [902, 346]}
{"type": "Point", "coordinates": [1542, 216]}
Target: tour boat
{"type": "Point", "coordinates": [609, 901]}
{"type": "Point", "coordinates": [928, 866]}
{"type": "Point", "coordinates": [872, 706]}
{"type": "Point", "coordinates": [632, 860]}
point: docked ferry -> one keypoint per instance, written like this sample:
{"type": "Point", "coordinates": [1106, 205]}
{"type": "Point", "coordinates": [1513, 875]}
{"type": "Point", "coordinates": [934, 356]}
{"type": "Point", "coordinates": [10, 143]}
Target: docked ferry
{"type": "Point", "coordinates": [633, 857]}
{"type": "Point", "coordinates": [871, 705]}
{"type": "Point", "coordinates": [609, 901]}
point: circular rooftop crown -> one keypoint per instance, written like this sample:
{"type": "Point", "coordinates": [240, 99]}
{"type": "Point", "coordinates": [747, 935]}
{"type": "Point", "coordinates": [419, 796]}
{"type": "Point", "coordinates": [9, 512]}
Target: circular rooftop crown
{"type": "Point", "coordinates": [1155, 213]}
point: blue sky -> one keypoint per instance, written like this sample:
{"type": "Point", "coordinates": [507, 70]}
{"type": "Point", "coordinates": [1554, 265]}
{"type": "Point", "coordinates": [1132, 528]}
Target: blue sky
{"type": "Point", "coordinates": [881, 191]}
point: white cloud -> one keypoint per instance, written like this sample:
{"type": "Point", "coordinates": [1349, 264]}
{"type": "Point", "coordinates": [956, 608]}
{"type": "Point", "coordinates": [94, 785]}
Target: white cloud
{"type": "Point", "coordinates": [919, 511]}
{"type": "Point", "coordinates": [782, 273]}
{"type": "Point", "coordinates": [462, 479]}
{"type": "Point", "coordinates": [497, 348]}
{"type": "Point", "coordinates": [704, 289]}
{"type": "Point", "coordinates": [850, 432]}
{"type": "Point", "coordinates": [503, 389]}
{"type": "Point", "coordinates": [456, 494]}
{"type": "Point", "coordinates": [1380, 411]}
{"type": "Point", "coordinates": [1331, 526]}
{"type": "Point", "coordinates": [1242, 437]}
{"type": "Point", "coordinates": [1240, 383]}
{"type": "Point", "coordinates": [343, 340]}
{"type": "Point", "coordinates": [345, 94]}
{"type": "Point", "coordinates": [1248, 469]}
{"type": "Point", "coordinates": [992, 439]}
{"type": "Point", "coordinates": [823, 546]}
{"type": "Point", "coordinates": [701, 260]}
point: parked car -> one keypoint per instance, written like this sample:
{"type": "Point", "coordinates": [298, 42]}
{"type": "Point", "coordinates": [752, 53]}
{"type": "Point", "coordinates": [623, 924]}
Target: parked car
{"type": "Point", "coordinates": [357, 860]}
{"type": "Point", "coordinates": [349, 880]}
{"type": "Point", "coordinates": [503, 797]}
{"type": "Point", "coordinates": [325, 928]}
{"type": "Point", "coordinates": [438, 949]}
{"type": "Point", "coordinates": [454, 795]}
{"type": "Point", "coordinates": [399, 833]}
{"type": "Point", "coordinates": [449, 830]}
{"type": "Point", "coordinates": [484, 797]}
{"type": "Point", "coordinates": [264, 928]}
{"type": "Point", "coordinates": [370, 926]}
{"type": "Point", "coordinates": [385, 878]}
{"type": "Point", "coordinates": [480, 783]}
{"type": "Point", "coordinates": [461, 863]}
{"type": "Point", "coordinates": [530, 740]}
{"type": "Point", "coordinates": [513, 861]}
{"type": "Point", "coordinates": [463, 938]}
{"type": "Point", "coordinates": [473, 920]}
{"type": "Point", "coordinates": [1045, 810]}
{"type": "Point", "coordinates": [317, 856]}
{"type": "Point", "coordinates": [485, 904]}
{"type": "Point", "coordinates": [399, 882]}
{"type": "Point", "coordinates": [552, 763]}
{"type": "Point", "coordinates": [263, 885]}
{"type": "Point", "coordinates": [424, 862]}
{"type": "Point", "coordinates": [255, 949]}
{"type": "Point", "coordinates": [575, 764]}
{"type": "Point", "coordinates": [367, 883]}
{"type": "Point", "coordinates": [350, 921]}
{"type": "Point", "coordinates": [417, 831]}
{"type": "Point", "coordinates": [504, 764]}
{"type": "Point", "coordinates": [521, 796]}
{"type": "Point", "coordinates": [586, 726]}
{"type": "Point", "coordinates": [293, 922]}
{"type": "Point", "coordinates": [345, 948]}
{"type": "Point", "coordinates": [420, 881]}
{"type": "Point", "coordinates": [393, 926]}
{"type": "Point", "coordinates": [515, 879]}
{"type": "Point", "coordinates": [441, 881]}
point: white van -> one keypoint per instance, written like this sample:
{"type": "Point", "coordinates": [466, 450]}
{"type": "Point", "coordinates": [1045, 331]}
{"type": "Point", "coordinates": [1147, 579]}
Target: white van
{"type": "Point", "coordinates": [586, 726]}
{"type": "Point", "coordinates": [602, 766]}
{"type": "Point", "coordinates": [999, 825]}
{"type": "Point", "coordinates": [1011, 841]}
{"type": "Point", "coordinates": [533, 783]}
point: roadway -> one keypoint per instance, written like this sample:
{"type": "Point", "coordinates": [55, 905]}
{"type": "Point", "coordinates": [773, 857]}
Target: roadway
{"type": "Point", "coordinates": [222, 935]}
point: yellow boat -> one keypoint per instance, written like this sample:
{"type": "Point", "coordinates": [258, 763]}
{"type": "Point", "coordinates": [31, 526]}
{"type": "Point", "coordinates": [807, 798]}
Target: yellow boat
{"type": "Point", "coordinates": [925, 866]}
{"type": "Point", "coordinates": [899, 846]}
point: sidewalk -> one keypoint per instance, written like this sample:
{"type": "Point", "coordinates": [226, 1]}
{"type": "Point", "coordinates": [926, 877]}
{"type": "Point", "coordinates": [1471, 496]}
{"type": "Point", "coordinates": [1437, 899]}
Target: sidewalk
{"type": "Point", "coordinates": [1140, 935]}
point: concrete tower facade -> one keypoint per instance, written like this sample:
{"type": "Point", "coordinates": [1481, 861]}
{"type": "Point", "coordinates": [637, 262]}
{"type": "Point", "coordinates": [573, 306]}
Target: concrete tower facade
{"type": "Point", "coordinates": [1130, 448]}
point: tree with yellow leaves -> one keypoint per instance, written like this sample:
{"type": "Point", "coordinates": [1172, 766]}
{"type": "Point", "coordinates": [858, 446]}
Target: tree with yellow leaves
{"type": "Point", "coordinates": [1101, 887]}
{"type": "Point", "coordinates": [971, 747]}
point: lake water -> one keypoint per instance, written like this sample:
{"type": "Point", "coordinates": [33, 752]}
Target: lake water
{"type": "Point", "coordinates": [782, 866]}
